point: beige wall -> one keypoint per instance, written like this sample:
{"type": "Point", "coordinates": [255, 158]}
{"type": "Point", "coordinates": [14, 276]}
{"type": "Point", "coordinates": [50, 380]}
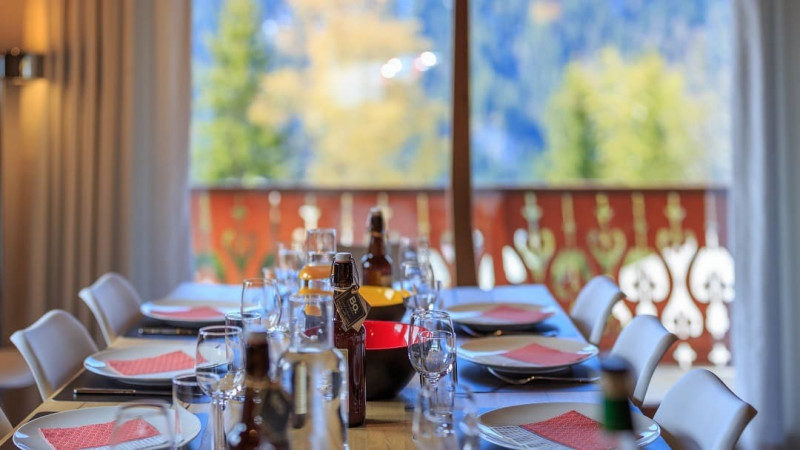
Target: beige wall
{"type": "Point", "coordinates": [22, 108]}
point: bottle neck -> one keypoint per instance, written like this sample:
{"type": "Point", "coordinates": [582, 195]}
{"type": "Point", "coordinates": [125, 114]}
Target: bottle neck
{"type": "Point", "coordinates": [377, 243]}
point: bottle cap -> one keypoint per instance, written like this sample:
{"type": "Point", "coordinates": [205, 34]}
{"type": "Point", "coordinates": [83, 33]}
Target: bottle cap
{"type": "Point", "coordinates": [342, 257]}
{"type": "Point", "coordinates": [376, 211]}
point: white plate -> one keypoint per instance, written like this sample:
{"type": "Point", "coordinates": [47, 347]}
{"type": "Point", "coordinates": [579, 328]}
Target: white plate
{"type": "Point", "coordinates": [151, 309]}
{"type": "Point", "coordinates": [28, 436]}
{"type": "Point", "coordinates": [486, 351]}
{"type": "Point", "coordinates": [510, 416]}
{"type": "Point", "coordinates": [97, 363]}
{"type": "Point", "coordinates": [470, 314]}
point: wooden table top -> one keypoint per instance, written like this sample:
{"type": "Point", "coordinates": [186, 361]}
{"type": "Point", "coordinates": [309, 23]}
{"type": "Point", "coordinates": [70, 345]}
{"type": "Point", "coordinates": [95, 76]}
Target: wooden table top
{"type": "Point", "coordinates": [388, 423]}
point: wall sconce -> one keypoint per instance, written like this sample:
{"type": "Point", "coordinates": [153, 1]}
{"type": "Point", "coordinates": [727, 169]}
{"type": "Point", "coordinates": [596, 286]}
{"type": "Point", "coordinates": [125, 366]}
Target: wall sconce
{"type": "Point", "coordinates": [18, 66]}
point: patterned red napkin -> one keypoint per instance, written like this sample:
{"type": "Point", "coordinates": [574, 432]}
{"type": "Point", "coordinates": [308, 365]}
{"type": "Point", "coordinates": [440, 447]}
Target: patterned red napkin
{"type": "Point", "coordinates": [96, 435]}
{"type": "Point", "coordinates": [197, 313]}
{"type": "Point", "coordinates": [545, 356]}
{"type": "Point", "coordinates": [574, 430]}
{"type": "Point", "coordinates": [515, 315]}
{"type": "Point", "coordinates": [168, 362]}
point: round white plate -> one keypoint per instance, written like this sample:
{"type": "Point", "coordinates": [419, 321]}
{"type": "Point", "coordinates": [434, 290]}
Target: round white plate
{"type": "Point", "coordinates": [151, 309]}
{"type": "Point", "coordinates": [486, 351]}
{"type": "Point", "coordinates": [644, 427]}
{"type": "Point", "coordinates": [97, 363]}
{"type": "Point", "coordinates": [470, 314]}
{"type": "Point", "coordinates": [28, 436]}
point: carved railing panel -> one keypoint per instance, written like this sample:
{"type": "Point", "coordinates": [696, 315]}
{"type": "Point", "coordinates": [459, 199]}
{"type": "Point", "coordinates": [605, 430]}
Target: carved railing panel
{"type": "Point", "coordinates": [665, 247]}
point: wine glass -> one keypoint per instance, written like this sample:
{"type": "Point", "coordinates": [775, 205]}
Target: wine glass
{"type": "Point", "coordinates": [418, 280]}
{"type": "Point", "coordinates": [262, 295]}
{"type": "Point", "coordinates": [291, 258]}
{"type": "Point", "coordinates": [431, 353]}
{"type": "Point", "coordinates": [140, 425]}
{"type": "Point", "coordinates": [219, 366]}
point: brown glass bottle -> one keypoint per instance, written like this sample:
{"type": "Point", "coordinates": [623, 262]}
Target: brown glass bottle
{"type": "Point", "coordinates": [247, 434]}
{"type": "Point", "coordinates": [262, 398]}
{"type": "Point", "coordinates": [376, 265]}
{"type": "Point", "coordinates": [351, 342]}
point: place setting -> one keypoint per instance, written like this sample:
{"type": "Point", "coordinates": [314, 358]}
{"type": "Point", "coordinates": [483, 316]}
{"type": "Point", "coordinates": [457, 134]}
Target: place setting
{"type": "Point", "coordinates": [480, 319]}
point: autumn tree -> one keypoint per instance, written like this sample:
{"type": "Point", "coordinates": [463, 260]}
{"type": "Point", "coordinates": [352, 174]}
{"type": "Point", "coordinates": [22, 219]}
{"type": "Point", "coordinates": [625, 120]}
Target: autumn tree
{"type": "Point", "coordinates": [623, 122]}
{"type": "Point", "coordinates": [230, 145]}
{"type": "Point", "coordinates": [365, 122]}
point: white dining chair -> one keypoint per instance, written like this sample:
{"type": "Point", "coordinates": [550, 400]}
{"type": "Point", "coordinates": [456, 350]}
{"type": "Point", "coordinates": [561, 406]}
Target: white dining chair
{"type": "Point", "coordinates": [114, 303]}
{"type": "Point", "coordinates": [593, 306]}
{"type": "Point", "coordinates": [699, 411]}
{"type": "Point", "coordinates": [642, 343]}
{"type": "Point", "coordinates": [5, 424]}
{"type": "Point", "coordinates": [14, 371]}
{"type": "Point", "coordinates": [54, 348]}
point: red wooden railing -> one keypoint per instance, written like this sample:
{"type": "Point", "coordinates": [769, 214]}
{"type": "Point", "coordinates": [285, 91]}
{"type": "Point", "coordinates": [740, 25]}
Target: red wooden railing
{"type": "Point", "coordinates": [665, 247]}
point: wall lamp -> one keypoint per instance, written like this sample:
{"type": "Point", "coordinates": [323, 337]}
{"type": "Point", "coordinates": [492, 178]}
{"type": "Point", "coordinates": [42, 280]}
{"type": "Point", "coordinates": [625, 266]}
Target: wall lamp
{"type": "Point", "coordinates": [18, 66]}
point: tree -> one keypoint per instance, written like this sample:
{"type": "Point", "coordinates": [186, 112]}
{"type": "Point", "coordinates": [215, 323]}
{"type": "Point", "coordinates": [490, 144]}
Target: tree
{"type": "Point", "coordinates": [348, 85]}
{"type": "Point", "coordinates": [623, 123]}
{"type": "Point", "coordinates": [230, 145]}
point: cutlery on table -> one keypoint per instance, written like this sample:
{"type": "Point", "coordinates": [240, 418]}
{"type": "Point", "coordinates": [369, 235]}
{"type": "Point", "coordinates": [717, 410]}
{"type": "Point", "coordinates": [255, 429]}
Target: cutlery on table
{"type": "Point", "coordinates": [168, 331]}
{"type": "Point", "coordinates": [115, 391]}
{"type": "Point", "coordinates": [473, 333]}
{"type": "Point", "coordinates": [529, 378]}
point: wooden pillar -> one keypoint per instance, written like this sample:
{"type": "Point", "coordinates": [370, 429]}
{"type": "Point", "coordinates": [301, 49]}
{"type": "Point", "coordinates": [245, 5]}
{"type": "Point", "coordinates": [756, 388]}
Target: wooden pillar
{"type": "Point", "coordinates": [460, 178]}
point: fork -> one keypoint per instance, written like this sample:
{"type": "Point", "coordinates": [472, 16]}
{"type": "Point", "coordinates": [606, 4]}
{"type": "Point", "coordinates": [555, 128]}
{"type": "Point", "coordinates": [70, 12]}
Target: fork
{"type": "Point", "coordinates": [528, 379]}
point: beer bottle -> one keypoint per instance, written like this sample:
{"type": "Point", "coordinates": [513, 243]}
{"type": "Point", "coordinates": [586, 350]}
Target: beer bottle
{"type": "Point", "coordinates": [617, 420]}
{"type": "Point", "coordinates": [247, 434]}
{"type": "Point", "coordinates": [376, 265]}
{"type": "Point", "coordinates": [350, 310]}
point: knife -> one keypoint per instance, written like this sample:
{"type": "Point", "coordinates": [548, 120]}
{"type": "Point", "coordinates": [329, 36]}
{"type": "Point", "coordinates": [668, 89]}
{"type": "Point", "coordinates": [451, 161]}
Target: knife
{"type": "Point", "coordinates": [168, 331]}
{"type": "Point", "coordinates": [113, 391]}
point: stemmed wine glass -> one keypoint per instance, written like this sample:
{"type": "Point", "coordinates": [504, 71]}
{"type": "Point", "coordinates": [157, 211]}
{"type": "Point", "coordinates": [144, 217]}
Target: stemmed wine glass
{"type": "Point", "coordinates": [291, 258]}
{"type": "Point", "coordinates": [262, 295]}
{"type": "Point", "coordinates": [219, 367]}
{"type": "Point", "coordinates": [145, 424]}
{"type": "Point", "coordinates": [418, 280]}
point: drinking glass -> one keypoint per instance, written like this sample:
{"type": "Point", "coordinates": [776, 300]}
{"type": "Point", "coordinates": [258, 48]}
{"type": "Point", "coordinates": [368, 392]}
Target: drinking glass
{"type": "Point", "coordinates": [419, 281]}
{"type": "Point", "coordinates": [431, 353]}
{"type": "Point", "coordinates": [244, 320]}
{"type": "Point", "coordinates": [262, 295]}
{"type": "Point", "coordinates": [414, 249]}
{"type": "Point", "coordinates": [320, 242]}
{"type": "Point", "coordinates": [291, 258]}
{"type": "Point", "coordinates": [219, 366]}
{"type": "Point", "coordinates": [187, 396]}
{"type": "Point", "coordinates": [140, 425]}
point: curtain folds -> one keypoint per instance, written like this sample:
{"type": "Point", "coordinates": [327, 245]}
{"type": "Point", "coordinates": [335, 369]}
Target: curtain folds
{"type": "Point", "coordinates": [765, 218]}
{"type": "Point", "coordinates": [107, 187]}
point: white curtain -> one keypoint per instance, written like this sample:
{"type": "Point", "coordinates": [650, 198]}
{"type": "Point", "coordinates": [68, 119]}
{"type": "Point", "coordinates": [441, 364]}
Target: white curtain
{"type": "Point", "coordinates": [101, 181]}
{"type": "Point", "coordinates": [765, 200]}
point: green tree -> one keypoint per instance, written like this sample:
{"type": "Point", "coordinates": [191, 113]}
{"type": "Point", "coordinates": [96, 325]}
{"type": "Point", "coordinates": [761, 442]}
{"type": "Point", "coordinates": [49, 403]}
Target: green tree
{"type": "Point", "coordinates": [623, 122]}
{"type": "Point", "coordinates": [230, 146]}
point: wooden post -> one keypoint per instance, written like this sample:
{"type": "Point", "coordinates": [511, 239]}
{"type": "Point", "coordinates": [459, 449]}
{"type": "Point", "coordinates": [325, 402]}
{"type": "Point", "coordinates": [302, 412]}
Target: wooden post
{"type": "Point", "coordinates": [460, 178]}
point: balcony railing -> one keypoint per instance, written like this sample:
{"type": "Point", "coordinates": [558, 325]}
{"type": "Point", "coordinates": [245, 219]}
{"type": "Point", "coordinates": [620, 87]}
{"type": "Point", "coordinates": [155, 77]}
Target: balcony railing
{"type": "Point", "coordinates": [665, 247]}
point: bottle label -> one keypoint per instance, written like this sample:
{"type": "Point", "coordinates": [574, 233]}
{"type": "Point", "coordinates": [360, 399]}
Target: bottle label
{"type": "Point", "coordinates": [300, 389]}
{"type": "Point", "coordinates": [352, 308]}
{"type": "Point", "coordinates": [276, 409]}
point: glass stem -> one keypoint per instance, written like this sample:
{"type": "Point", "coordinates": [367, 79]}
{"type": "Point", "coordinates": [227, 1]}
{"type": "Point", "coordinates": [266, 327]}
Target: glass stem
{"type": "Point", "coordinates": [217, 406]}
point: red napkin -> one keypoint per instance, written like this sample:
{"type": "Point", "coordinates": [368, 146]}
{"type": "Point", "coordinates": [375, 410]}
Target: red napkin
{"type": "Point", "coordinates": [545, 356]}
{"type": "Point", "coordinates": [515, 315]}
{"type": "Point", "coordinates": [572, 429]}
{"type": "Point", "coordinates": [168, 362]}
{"type": "Point", "coordinates": [197, 313]}
{"type": "Point", "coordinates": [96, 435]}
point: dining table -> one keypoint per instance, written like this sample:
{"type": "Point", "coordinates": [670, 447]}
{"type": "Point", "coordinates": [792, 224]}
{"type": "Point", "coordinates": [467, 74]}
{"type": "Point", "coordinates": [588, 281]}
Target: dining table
{"type": "Point", "coordinates": [388, 422]}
